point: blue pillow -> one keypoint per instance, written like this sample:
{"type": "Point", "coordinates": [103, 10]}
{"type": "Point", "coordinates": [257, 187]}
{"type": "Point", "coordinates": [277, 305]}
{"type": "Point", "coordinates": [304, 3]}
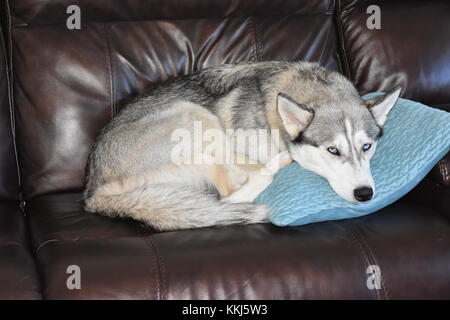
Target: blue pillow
{"type": "Point", "coordinates": [415, 138]}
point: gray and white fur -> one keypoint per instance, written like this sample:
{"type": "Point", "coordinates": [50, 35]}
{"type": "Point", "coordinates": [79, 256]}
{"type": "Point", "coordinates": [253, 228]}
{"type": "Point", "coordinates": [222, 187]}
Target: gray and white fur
{"type": "Point", "coordinates": [323, 123]}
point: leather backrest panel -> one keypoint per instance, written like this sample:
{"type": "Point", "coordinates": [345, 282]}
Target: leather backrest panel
{"type": "Point", "coordinates": [32, 12]}
{"type": "Point", "coordinates": [412, 48]}
{"type": "Point", "coordinates": [69, 83]}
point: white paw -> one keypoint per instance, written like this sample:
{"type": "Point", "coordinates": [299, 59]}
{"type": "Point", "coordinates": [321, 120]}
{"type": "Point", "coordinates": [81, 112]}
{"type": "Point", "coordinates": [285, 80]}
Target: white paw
{"type": "Point", "coordinates": [281, 160]}
{"type": "Point", "coordinates": [238, 177]}
{"type": "Point", "coordinates": [262, 179]}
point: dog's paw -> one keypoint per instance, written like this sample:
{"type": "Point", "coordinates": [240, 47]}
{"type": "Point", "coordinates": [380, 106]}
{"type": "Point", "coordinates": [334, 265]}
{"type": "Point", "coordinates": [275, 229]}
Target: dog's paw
{"type": "Point", "coordinates": [237, 177]}
{"type": "Point", "coordinates": [262, 179]}
{"type": "Point", "coordinates": [281, 160]}
{"type": "Point", "coordinates": [284, 159]}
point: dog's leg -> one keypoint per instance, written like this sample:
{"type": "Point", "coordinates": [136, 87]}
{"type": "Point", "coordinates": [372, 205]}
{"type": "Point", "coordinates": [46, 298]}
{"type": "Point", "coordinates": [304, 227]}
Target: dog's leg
{"type": "Point", "coordinates": [259, 180]}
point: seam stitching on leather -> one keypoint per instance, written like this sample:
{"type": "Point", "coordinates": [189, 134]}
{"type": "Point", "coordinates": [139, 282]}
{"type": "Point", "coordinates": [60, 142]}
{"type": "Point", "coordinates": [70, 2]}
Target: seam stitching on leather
{"type": "Point", "coordinates": [441, 170]}
{"type": "Point", "coordinates": [384, 290]}
{"type": "Point", "coordinates": [362, 251]}
{"type": "Point", "coordinates": [27, 25]}
{"type": "Point", "coordinates": [113, 72]}
{"type": "Point", "coordinates": [254, 50]}
{"type": "Point", "coordinates": [160, 268]}
{"type": "Point", "coordinates": [110, 71]}
{"type": "Point", "coordinates": [154, 269]}
{"type": "Point", "coordinates": [444, 172]}
{"type": "Point", "coordinates": [9, 81]}
{"type": "Point", "coordinates": [341, 41]}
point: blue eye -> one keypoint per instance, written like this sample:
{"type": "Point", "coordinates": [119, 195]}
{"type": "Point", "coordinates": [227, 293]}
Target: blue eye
{"type": "Point", "coordinates": [366, 146]}
{"type": "Point", "coordinates": [333, 150]}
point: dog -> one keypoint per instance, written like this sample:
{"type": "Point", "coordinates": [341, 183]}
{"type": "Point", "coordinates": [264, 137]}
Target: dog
{"type": "Point", "coordinates": [310, 115]}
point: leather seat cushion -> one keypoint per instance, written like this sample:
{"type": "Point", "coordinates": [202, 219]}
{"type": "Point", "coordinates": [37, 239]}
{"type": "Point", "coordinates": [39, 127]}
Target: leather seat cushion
{"type": "Point", "coordinates": [122, 259]}
{"type": "Point", "coordinates": [18, 275]}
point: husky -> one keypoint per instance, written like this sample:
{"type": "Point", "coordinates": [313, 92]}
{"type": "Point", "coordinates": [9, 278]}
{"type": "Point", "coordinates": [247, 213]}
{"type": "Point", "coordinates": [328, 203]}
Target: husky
{"type": "Point", "coordinates": [312, 115]}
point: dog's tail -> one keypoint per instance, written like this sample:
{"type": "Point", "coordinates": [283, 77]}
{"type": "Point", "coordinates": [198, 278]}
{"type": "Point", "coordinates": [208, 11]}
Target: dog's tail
{"type": "Point", "coordinates": [170, 206]}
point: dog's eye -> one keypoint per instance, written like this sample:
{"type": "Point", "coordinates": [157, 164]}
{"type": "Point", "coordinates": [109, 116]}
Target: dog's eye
{"type": "Point", "coordinates": [366, 146]}
{"type": "Point", "coordinates": [333, 150]}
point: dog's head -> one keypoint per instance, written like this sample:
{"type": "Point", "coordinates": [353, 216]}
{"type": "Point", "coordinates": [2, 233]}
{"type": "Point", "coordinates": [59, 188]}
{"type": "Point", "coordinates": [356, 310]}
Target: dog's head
{"type": "Point", "coordinates": [337, 140]}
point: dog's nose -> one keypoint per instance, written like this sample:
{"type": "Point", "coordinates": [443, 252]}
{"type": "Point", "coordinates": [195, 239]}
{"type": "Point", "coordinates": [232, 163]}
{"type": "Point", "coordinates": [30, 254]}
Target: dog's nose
{"type": "Point", "coordinates": [363, 194]}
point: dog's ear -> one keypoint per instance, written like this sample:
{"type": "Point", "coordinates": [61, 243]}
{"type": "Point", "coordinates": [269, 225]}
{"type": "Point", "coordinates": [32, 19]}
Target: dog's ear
{"type": "Point", "coordinates": [380, 106]}
{"type": "Point", "coordinates": [296, 117]}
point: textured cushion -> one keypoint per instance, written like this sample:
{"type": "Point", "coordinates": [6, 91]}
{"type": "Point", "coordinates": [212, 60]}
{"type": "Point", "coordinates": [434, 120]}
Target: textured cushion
{"type": "Point", "coordinates": [415, 138]}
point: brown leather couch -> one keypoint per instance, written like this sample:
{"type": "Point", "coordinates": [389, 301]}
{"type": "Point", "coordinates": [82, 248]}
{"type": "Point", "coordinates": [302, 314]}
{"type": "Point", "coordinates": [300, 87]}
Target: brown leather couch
{"type": "Point", "coordinates": [59, 87]}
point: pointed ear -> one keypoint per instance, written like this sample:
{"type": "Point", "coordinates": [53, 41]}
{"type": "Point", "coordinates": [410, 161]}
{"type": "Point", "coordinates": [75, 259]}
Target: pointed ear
{"type": "Point", "coordinates": [295, 117]}
{"type": "Point", "coordinates": [380, 106]}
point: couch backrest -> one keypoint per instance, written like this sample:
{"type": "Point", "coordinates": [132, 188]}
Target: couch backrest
{"type": "Point", "coordinates": [68, 83]}
{"type": "Point", "coordinates": [411, 48]}
{"type": "Point", "coordinates": [9, 183]}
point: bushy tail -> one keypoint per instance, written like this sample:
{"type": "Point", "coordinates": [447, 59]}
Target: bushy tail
{"type": "Point", "coordinates": [166, 206]}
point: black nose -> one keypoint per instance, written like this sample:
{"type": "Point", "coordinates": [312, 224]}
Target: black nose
{"type": "Point", "coordinates": [363, 194]}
